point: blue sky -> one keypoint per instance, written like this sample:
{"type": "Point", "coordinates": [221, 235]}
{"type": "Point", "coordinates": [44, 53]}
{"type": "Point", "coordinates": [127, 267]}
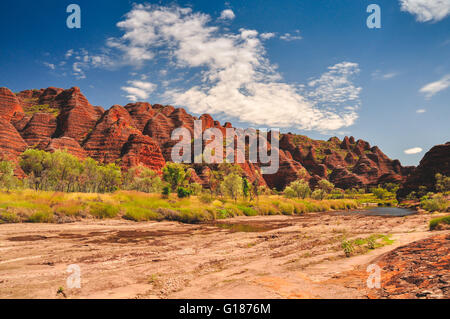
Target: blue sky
{"type": "Point", "coordinates": [311, 67]}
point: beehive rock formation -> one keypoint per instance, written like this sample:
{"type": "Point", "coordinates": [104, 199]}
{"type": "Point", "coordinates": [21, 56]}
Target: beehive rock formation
{"type": "Point", "coordinates": [140, 134]}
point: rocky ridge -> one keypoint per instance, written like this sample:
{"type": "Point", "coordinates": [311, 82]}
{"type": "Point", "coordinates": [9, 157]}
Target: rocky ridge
{"type": "Point", "coordinates": [140, 133]}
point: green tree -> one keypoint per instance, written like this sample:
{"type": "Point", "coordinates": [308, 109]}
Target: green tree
{"type": "Point", "coordinates": [218, 175]}
{"type": "Point", "coordinates": [110, 178]}
{"type": "Point", "coordinates": [319, 194]}
{"type": "Point", "coordinates": [232, 186]}
{"type": "Point", "coordinates": [325, 185]}
{"type": "Point", "coordinates": [7, 179]}
{"type": "Point", "coordinates": [35, 164]}
{"type": "Point", "coordinates": [90, 179]}
{"type": "Point", "coordinates": [392, 187]}
{"type": "Point", "coordinates": [298, 188]}
{"type": "Point", "coordinates": [175, 174]}
{"type": "Point", "coordinates": [142, 179]}
{"type": "Point", "coordinates": [246, 187]}
{"type": "Point", "coordinates": [380, 193]}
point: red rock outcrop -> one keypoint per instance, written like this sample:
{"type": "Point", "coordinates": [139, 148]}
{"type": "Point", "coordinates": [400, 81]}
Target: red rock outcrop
{"type": "Point", "coordinates": [105, 142]}
{"type": "Point", "coordinates": [142, 150]}
{"type": "Point", "coordinates": [11, 143]}
{"type": "Point", "coordinates": [63, 143]}
{"type": "Point", "coordinates": [78, 117]}
{"type": "Point", "coordinates": [42, 126]}
{"type": "Point", "coordinates": [9, 104]}
{"type": "Point", "coordinates": [418, 270]}
{"type": "Point", "coordinates": [343, 178]}
{"type": "Point", "coordinates": [141, 113]}
{"type": "Point", "coordinates": [436, 160]}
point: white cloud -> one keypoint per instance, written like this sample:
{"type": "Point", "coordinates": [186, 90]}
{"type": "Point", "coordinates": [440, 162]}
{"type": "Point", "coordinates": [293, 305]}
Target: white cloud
{"type": "Point", "coordinates": [82, 60]}
{"type": "Point", "coordinates": [414, 150]}
{"type": "Point", "coordinates": [267, 35]}
{"type": "Point", "coordinates": [434, 87]}
{"type": "Point", "coordinates": [378, 75]}
{"type": "Point", "coordinates": [232, 73]}
{"type": "Point", "coordinates": [420, 111]}
{"type": "Point", "coordinates": [139, 90]}
{"type": "Point", "coordinates": [227, 14]}
{"type": "Point", "coordinates": [427, 10]}
{"type": "Point", "coordinates": [50, 65]}
{"type": "Point", "coordinates": [69, 53]}
{"type": "Point", "coordinates": [291, 37]}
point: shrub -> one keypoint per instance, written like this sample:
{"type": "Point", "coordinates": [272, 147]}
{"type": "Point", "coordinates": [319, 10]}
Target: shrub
{"type": "Point", "coordinates": [183, 192]}
{"type": "Point", "coordinates": [411, 196]}
{"type": "Point", "coordinates": [248, 211]}
{"type": "Point", "coordinates": [289, 192]}
{"type": "Point", "coordinates": [286, 208]}
{"type": "Point", "coordinates": [338, 193]}
{"type": "Point", "coordinates": [195, 189]}
{"type": "Point", "coordinates": [70, 210]}
{"type": "Point", "coordinates": [41, 217]}
{"type": "Point", "coordinates": [318, 194]}
{"type": "Point", "coordinates": [437, 222]}
{"type": "Point", "coordinates": [206, 199]}
{"type": "Point", "coordinates": [9, 217]}
{"type": "Point", "coordinates": [298, 188]}
{"type": "Point", "coordinates": [347, 247]}
{"type": "Point", "coordinates": [437, 203]}
{"type": "Point", "coordinates": [442, 183]}
{"type": "Point", "coordinates": [380, 193]}
{"type": "Point", "coordinates": [166, 190]}
{"type": "Point", "coordinates": [325, 185]}
{"type": "Point", "coordinates": [103, 210]}
{"type": "Point", "coordinates": [371, 242]}
{"type": "Point", "coordinates": [140, 214]}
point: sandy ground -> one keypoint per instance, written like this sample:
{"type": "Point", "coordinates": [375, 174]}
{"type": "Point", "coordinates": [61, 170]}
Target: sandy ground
{"type": "Point", "coordinates": [255, 257]}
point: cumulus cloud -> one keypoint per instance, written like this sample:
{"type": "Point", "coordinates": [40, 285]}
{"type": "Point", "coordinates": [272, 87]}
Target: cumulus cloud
{"type": "Point", "coordinates": [420, 111]}
{"type": "Point", "coordinates": [434, 87]}
{"type": "Point", "coordinates": [227, 14]}
{"type": "Point", "coordinates": [139, 90]}
{"type": "Point", "coordinates": [427, 10]}
{"type": "Point", "coordinates": [414, 150]}
{"type": "Point", "coordinates": [267, 35]}
{"type": "Point", "coordinates": [233, 76]}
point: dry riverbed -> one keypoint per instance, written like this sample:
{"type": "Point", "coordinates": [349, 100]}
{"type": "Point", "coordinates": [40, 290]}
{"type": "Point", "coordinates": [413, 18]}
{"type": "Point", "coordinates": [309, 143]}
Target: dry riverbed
{"type": "Point", "coordinates": [248, 257]}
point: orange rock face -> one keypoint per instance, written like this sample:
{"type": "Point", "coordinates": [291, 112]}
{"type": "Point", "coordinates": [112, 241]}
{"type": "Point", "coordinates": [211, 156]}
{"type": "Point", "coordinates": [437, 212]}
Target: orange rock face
{"type": "Point", "coordinates": [63, 143]}
{"type": "Point", "coordinates": [41, 127]}
{"type": "Point", "coordinates": [77, 116]}
{"type": "Point", "coordinates": [11, 143]}
{"type": "Point", "coordinates": [142, 150]}
{"type": "Point", "coordinates": [9, 104]}
{"type": "Point", "coordinates": [105, 142]}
